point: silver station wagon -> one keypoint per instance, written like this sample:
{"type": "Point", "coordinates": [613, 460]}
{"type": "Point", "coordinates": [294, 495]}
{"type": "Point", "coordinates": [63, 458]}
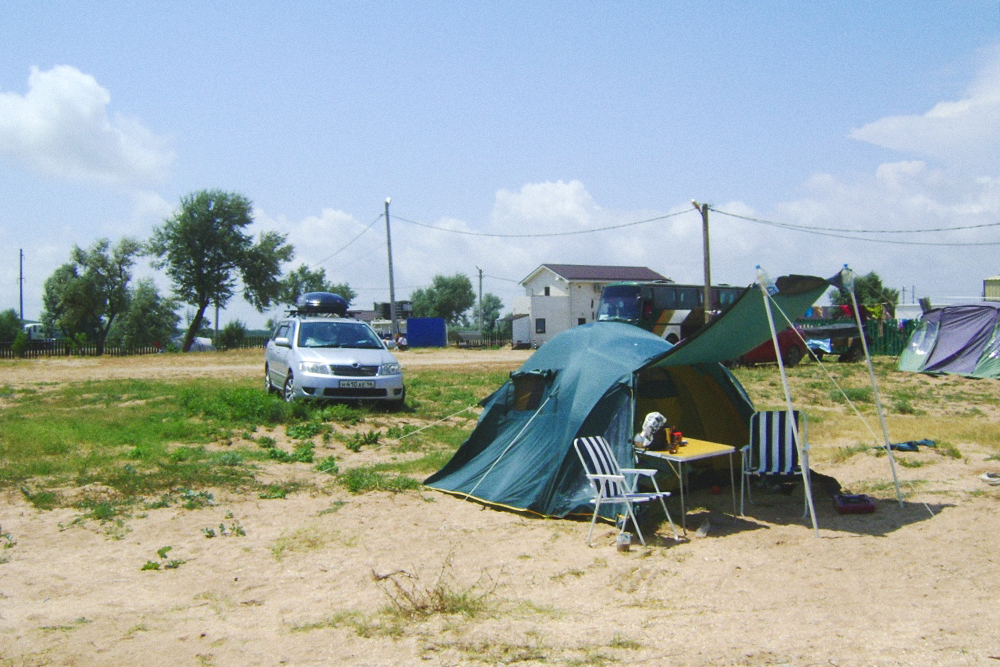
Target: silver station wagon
{"type": "Point", "coordinates": [317, 353]}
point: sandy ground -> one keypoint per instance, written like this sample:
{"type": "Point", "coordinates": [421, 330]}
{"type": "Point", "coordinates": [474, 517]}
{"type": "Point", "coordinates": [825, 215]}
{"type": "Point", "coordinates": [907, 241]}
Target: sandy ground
{"type": "Point", "coordinates": [310, 580]}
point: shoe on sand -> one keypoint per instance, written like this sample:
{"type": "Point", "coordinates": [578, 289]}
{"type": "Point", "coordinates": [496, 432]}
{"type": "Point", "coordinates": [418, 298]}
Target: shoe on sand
{"type": "Point", "coordinates": [992, 478]}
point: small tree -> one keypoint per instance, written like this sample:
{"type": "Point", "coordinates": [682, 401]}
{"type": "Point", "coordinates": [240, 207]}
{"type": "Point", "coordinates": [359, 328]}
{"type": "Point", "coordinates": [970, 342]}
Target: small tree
{"type": "Point", "coordinates": [10, 325]}
{"type": "Point", "coordinates": [231, 336]}
{"type": "Point", "coordinates": [447, 297]}
{"type": "Point", "coordinates": [150, 320]}
{"type": "Point", "coordinates": [205, 250]}
{"type": "Point", "coordinates": [302, 280]}
{"type": "Point", "coordinates": [868, 290]}
{"type": "Point", "coordinates": [83, 298]}
{"type": "Point", "coordinates": [491, 307]}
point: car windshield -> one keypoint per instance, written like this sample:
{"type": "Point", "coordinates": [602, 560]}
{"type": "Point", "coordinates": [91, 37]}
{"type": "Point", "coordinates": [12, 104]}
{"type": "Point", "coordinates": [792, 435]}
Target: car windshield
{"type": "Point", "coordinates": [337, 334]}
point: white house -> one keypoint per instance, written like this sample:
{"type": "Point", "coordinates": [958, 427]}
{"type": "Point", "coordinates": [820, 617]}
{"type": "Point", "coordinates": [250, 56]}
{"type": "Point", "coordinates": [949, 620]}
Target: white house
{"type": "Point", "coordinates": [560, 296]}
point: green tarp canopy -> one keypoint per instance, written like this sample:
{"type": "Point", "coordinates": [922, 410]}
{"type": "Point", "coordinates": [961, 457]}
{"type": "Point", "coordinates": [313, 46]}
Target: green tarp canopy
{"type": "Point", "coordinates": [600, 379]}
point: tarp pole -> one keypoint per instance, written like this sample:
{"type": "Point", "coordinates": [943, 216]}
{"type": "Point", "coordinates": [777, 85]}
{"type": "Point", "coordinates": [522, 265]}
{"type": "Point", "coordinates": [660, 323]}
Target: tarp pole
{"type": "Point", "coordinates": [849, 280]}
{"type": "Point", "coordinates": [763, 281]}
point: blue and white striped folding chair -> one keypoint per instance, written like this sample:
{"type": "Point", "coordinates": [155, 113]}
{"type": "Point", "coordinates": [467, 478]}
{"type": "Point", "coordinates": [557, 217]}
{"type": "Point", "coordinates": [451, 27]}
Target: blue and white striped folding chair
{"type": "Point", "coordinates": [615, 485]}
{"type": "Point", "coordinates": [772, 451]}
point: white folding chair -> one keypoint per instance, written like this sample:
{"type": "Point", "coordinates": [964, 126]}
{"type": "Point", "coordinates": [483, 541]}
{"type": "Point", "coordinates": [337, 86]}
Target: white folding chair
{"type": "Point", "coordinates": [614, 484]}
{"type": "Point", "coordinates": [772, 452]}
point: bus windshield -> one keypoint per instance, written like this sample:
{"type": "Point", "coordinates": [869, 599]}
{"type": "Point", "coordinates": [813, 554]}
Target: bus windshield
{"type": "Point", "coordinates": [620, 303]}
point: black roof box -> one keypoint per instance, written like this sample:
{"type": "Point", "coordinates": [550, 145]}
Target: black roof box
{"type": "Point", "coordinates": [325, 303]}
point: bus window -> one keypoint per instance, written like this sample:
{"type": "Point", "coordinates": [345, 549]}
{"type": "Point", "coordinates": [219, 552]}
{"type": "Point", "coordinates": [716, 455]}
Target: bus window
{"type": "Point", "coordinates": [688, 298]}
{"type": "Point", "coordinates": [620, 302]}
{"type": "Point", "coordinates": [665, 297]}
{"type": "Point", "coordinates": [726, 296]}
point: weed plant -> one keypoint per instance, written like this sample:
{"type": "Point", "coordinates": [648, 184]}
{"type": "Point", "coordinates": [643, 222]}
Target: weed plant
{"type": "Point", "coordinates": [366, 478]}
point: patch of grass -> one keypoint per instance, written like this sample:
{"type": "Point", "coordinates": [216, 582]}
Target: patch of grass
{"type": "Point", "coordinates": [366, 478]}
{"type": "Point", "coordinates": [328, 465]}
{"type": "Point", "coordinates": [364, 625]}
{"type": "Point", "coordinates": [309, 538]}
{"type": "Point", "coordinates": [411, 598]}
{"type": "Point", "coordinates": [842, 454]}
{"type": "Point", "coordinates": [909, 463]}
{"type": "Point", "coordinates": [303, 453]}
{"type": "Point", "coordinates": [304, 430]}
{"type": "Point", "coordinates": [278, 491]}
{"type": "Point", "coordinates": [358, 440]}
{"type": "Point", "coordinates": [43, 500]}
{"type": "Point", "coordinates": [948, 449]}
{"type": "Point", "coordinates": [853, 394]}
{"type": "Point", "coordinates": [164, 562]}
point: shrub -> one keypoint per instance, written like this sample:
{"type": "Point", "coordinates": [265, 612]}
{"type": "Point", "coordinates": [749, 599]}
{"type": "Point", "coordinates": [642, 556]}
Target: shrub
{"type": "Point", "coordinates": [231, 336]}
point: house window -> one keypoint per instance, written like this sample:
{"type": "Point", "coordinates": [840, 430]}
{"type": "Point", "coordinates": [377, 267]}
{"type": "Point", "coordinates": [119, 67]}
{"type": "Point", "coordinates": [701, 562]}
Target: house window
{"type": "Point", "coordinates": [540, 324]}
{"type": "Point", "coordinates": [581, 320]}
{"type": "Point", "coordinates": [547, 291]}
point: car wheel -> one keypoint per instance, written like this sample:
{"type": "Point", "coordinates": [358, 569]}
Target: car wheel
{"type": "Point", "coordinates": [793, 356]}
{"type": "Point", "coordinates": [399, 403]}
{"type": "Point", "coordinates": [268, 387]}
{"type": "Point", "coordinates": [289, 391]}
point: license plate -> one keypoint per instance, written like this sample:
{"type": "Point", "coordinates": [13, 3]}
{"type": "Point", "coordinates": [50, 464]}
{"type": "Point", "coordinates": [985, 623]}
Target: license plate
{"type": "Point", "coordinates": [357, 384]}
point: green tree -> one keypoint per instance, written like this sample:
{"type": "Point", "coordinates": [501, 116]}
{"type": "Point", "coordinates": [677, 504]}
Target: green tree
{"type": "Point", "coordinates": [205, 250]}
{"type": "Point", "coordinates": [302, 280]}
{"type": "Point", "coordinates": [149, 321]}
{"type": "Point", "coordinates": [10, 325]}
{"type": "Point", "coordinates": [231, 336]}
{"type": "Point", "coordinates": [83, 298]}
{"type": "Point", "coordinates": [869, 291]}
{"type": "Point", "coordinates": [491, 307]}
{"type": "Point", "coordinates": [447, 297]}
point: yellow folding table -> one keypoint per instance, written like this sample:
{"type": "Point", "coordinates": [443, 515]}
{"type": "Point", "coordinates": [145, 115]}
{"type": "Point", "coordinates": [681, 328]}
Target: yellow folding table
{"type": "Point", "coordinates": [694, 450]}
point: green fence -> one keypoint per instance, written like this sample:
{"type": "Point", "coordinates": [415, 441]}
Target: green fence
{"type": "Point", "coordinates": [885, 337]}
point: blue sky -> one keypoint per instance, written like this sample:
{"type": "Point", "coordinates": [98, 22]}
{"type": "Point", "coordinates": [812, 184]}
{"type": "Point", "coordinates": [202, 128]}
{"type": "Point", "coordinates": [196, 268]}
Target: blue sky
{"type": "Point", "coordinates": [511, 118]}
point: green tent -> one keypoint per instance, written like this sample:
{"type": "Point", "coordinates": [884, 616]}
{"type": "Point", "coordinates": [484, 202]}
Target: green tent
{"type": "Point", "coordinates": [602, 379]}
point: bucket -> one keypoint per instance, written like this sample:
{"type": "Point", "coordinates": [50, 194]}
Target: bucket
{"type": "Point", "coordinates": [624, 541]}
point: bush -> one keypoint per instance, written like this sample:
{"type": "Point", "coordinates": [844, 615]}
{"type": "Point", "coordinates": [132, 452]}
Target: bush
{"type": "Point", "coordinates": [20, 344]}
{"type": "Point", "coordinates": [231, 336]}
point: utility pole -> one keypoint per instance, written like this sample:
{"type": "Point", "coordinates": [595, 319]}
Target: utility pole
{"type": "Point", "coordinates": [20, 284]}
{"type": "Point", "coordinates": [392, 286]}
{"type": "Point", "coordinates": [703, 209]}
{"type": "Point", "coordinates": [480, 300]}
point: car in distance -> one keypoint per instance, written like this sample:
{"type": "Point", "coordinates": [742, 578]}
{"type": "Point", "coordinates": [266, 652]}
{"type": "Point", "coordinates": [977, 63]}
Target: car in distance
{"type": "Point", "coordinates": [789, 342]}
{"type": "Point", "coordinates": [318, 353]}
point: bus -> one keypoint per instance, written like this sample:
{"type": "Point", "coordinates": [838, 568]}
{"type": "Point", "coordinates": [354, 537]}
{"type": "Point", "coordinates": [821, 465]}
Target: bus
{"type": "Point", "coordinates": [669, 310]}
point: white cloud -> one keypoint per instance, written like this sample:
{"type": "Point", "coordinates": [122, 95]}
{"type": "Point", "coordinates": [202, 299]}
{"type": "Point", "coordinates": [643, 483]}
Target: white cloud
{"type": "Point", "coordinates": [962, 133]}
{"type": "Point", "coordinates": [61, 129]}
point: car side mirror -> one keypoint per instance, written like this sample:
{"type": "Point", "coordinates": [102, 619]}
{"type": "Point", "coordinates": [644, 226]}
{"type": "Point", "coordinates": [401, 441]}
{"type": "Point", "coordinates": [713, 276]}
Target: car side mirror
{"type": "Point", "coordinates": [282, 342]}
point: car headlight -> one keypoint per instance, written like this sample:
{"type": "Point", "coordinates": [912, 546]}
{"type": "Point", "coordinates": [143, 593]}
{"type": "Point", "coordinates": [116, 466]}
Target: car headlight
{"type": "Point", "coordinates": [389, 369]}
{"type": "Point", "coordinates": [314, 367]}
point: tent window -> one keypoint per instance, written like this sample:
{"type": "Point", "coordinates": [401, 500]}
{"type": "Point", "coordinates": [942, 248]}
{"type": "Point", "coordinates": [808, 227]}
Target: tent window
{"type": "Point", "coordinates": [528, 390]}
{"type": "Point", "coordinates": [656, 383]}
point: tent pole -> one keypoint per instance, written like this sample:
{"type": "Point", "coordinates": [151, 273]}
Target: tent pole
{"type": "Point", "coordinates": [878, 398]}
{"type": "Point", "coordinates": [762, 280]}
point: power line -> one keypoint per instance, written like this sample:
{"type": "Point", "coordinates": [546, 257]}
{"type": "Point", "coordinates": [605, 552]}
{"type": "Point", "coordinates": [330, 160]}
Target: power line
{"type": "Point", "coordinates": [522, 236]}
{"type": "Point", "coordinates": [829, 231]}
{"type": "Point", "coordinates": [346, 245]}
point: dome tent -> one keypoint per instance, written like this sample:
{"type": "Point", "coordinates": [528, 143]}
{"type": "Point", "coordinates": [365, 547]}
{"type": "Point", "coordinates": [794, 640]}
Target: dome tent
{"type": "Point", "coordinates": [600, 379]}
